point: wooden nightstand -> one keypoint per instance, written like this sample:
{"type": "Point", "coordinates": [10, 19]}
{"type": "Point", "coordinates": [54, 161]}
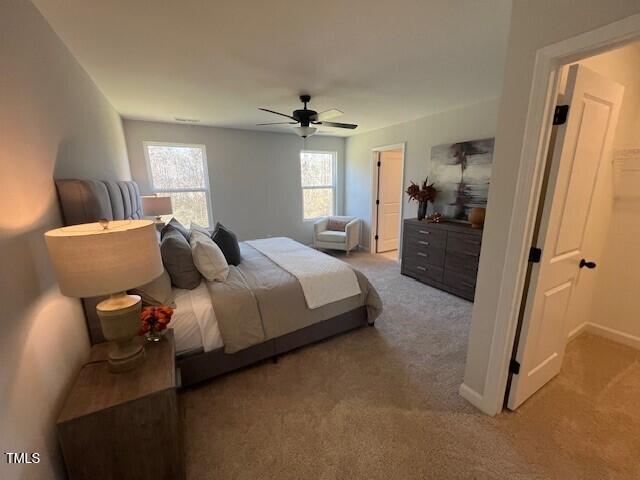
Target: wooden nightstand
{"type": "Point", "coordinates": [124, 425]}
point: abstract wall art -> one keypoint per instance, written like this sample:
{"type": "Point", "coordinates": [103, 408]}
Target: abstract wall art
{"type": "Point", "coordinates": [461, 172]}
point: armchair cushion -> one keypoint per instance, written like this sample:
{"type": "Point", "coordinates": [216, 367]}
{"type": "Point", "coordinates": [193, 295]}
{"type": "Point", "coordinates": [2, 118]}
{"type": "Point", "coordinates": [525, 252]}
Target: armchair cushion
{"type": "Point", "coordinates": [332, 236]}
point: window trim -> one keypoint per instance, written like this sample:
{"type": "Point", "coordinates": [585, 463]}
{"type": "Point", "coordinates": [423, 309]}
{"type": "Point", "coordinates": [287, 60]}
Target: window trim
{"type": "Point", "coordinates": [206, 188]}
{"type": "Point", "coordinates": [333, 186]}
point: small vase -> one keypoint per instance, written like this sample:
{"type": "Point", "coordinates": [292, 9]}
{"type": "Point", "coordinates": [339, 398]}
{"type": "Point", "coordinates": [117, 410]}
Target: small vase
{"type": "Point", "coordinates": [422, 210]}
{"type": "Point", "coordinates": [476, 217]}
{"type": "Point", "coordinates": [153, 336]}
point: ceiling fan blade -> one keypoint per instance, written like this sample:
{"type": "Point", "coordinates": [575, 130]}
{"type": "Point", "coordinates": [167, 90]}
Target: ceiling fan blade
{"type": "Point", "coordinates": [336, 125]}
{"type": "Point", "coordinates": [329, 114]}
{"type": "Point", "coordinates": [276, 123]}
{"type": "Point", "coordinates": [277, 113]}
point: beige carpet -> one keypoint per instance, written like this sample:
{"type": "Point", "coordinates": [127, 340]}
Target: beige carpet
{"type": "Point", "coordinates": [382, 403]}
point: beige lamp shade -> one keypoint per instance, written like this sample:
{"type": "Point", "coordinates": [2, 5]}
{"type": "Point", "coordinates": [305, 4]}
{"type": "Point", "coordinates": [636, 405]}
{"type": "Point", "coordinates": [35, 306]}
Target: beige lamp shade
{"type": "Point", "coordinates": [155, 206]}
{"type": "Point", "coordinates": [90, 260]}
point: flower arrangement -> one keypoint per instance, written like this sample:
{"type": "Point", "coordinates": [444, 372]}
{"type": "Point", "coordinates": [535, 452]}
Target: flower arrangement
{"type": "Point", "coordinates": [154, 320]}
{"type": "Point", "coordinates": [422, 195]}
{"type": "Point", "coordinates": [425, 194]}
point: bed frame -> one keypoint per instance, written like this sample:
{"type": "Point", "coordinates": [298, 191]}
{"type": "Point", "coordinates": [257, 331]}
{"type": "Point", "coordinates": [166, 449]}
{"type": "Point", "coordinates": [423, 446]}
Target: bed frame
{"type": "Point", "coordinates": [84, 201]}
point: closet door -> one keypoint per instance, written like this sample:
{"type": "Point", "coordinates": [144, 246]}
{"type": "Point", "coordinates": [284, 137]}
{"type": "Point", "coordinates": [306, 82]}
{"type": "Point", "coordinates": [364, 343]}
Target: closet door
{"type": "Point", "coordinates": [583, 143]}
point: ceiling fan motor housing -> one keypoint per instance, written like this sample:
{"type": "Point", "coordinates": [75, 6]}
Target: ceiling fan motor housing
{"type": "Point", "coordinates": [305, 117]}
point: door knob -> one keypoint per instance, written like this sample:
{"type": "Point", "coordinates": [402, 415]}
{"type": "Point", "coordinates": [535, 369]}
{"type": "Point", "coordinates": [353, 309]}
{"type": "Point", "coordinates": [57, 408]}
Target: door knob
{"type": "Point", "coordinates": [584, 263]}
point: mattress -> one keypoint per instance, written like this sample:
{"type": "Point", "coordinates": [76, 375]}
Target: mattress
{"type": "Point", "coordinates": [194, 322]}
{"type": "Point", "coordinates": [261, 300]}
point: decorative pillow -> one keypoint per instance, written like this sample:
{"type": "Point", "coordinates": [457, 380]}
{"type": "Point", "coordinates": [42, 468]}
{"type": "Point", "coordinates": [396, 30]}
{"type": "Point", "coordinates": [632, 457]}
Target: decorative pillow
{"type": "Point", "coordinates": [199, 228]}
{"type": "Point", "coordinates": [156, 292]}
{"type": "Point", "coordinates": [228, 243]}
{"type": "Point", "coordinates": [337, 224]}
{"type": "Point", "coordinates": [174, 225]}
{"type": "Point", "coordinates": [177, 259]}
{"type": "Point", "coordinates": [208, 258]}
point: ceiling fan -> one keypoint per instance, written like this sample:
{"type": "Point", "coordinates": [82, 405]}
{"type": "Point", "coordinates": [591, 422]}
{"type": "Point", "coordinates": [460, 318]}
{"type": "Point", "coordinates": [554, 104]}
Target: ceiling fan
{"type": "Point", "coordinates": [306, 117]}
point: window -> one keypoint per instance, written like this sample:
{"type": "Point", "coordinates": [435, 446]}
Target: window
{"type": "Point", "coordinates": [318, 183]}
{"type": "Point", "coordinates": [180, 172]}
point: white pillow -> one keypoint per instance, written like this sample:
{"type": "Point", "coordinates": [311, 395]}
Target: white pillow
{"type": "Point", "coordinates": [208, 258]}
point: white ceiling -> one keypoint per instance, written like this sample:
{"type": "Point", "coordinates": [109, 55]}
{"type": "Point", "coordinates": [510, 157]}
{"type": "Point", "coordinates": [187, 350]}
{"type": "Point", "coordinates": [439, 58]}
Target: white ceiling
{"type": "Point", "coordinates": [380, 62]}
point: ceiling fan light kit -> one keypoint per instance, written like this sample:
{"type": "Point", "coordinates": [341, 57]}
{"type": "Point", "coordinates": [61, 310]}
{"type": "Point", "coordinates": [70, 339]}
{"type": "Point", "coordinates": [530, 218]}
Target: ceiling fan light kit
{"type": "Point", "coordinates": [306, 117]}
{"type": "Point", "coordinates": [305, 132]}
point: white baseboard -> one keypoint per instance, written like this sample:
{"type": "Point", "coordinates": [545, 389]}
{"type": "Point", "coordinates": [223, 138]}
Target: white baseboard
{"type": "Point", "coordinates": [606, 332]}
{"type": "Point", "coordinates": [577, 331]}
{"type": "Point", "coordinates": [477, 400]}
{"type": "Point", "coordinates": [615, 335]}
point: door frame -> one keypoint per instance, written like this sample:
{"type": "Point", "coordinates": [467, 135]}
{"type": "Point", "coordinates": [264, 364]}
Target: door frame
{"type": "Point", "coordinates": [374, 192]}
{"type": "Point", "coordinates": [542, 99]}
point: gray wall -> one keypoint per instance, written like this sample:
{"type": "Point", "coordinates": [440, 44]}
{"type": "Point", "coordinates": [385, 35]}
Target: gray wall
{"type": "Point", "coordinates": [254, 176]}
{"type": "Point", "coordinates": [468, 123]}
{"type": "Point", "coordinates": [53, 121]}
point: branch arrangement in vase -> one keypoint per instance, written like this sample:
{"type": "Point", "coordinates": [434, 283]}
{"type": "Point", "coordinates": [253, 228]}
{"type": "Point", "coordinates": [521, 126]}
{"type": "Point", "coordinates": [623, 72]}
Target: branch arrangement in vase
{"type": "Point", "coordinates": [423, 195]}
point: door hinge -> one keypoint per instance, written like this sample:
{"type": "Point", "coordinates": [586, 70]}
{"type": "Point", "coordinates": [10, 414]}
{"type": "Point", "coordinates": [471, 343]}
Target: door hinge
{"type": "Point", "coordinates": [514, 366]}
{"type": "Point", "coordinates": [535, 254]}
{"type": "Point", "coordinates": [376, 237]}
{"type": "Point", "coordinates": [560, 114]}
{"type": "Point", "coordinates": [379, 163]}
{"type": "Point", "coordinates": [377, 202]}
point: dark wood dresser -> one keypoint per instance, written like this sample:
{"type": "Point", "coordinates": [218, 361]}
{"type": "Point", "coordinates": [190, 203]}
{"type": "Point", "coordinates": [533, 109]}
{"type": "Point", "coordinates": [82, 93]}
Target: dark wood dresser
{"type": "Point", "coordinates": [444, 255]}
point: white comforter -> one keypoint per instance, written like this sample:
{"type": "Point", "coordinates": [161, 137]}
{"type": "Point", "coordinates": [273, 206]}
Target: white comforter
{"type": "Point", "coordinates": [324, 279]}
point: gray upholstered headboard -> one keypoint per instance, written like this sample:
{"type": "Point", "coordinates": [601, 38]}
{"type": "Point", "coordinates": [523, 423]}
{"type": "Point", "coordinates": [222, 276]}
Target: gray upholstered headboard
{"type": "Point", "coordinates": [86, 201]}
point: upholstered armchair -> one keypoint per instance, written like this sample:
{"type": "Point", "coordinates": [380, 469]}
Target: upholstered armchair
{"type": "Point", "coordinates": [327, 235]}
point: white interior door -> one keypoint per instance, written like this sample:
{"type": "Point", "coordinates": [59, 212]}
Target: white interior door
{"type": "Point", "coordinates": [390, 196]}
{"type": "Point", "coordinates": [583, 143]}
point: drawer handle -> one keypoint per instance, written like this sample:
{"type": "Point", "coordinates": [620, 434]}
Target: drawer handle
{"type": "Point", "coordinates": [425, 232]}
{"type": "Point", "coordinates": [422, 242]}
{"type": "Point", "coordinates": [467, 284]}
{"type": "Point", "coordinates": [421, 254]}
{"type": "Point", "coordinates": [472, 242]}
{"type": "Point", "coordinates": [421, 268]}
{"type": "Point", "coordinates": [470, 254]}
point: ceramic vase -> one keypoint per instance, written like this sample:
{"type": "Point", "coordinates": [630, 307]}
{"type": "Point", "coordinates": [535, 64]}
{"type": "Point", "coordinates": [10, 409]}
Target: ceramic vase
{"type": "Point", "coordinates": [476, 217]}
{"type": "Point", "coordinates": [422, 210]}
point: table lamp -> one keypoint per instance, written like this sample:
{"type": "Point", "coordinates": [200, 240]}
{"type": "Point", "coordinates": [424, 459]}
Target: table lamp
{"type": "Point", "coordinates": [153, 206]}
{"type": "Point", "coordinates": [109, 258]}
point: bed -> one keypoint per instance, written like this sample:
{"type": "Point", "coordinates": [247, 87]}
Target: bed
{"type": "Point", "coordinates": [260, 311]}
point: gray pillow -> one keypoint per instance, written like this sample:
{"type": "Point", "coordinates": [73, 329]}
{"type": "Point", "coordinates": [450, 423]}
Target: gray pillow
{"type": "Point", "coordinates": [178, 262]}
{"type": "Point", "coordinates": [228, 243]}
{"type": "Point", "coordinates": [177, 226]}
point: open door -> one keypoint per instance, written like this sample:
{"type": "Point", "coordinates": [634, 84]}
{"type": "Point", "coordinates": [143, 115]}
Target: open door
{"type": "Point", "coordinates": [390, 198]}
{"type": "Point", "coordinates": [582, 144]}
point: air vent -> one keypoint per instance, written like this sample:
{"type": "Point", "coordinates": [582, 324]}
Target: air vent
{"type": "Point", "coordinates": [186, 120]}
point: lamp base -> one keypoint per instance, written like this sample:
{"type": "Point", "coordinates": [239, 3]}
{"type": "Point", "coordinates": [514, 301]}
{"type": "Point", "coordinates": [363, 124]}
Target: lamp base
{"type": "Point", "coordinates": [120, 320]}
{"type": "Point", "coordinates": [125, 356]}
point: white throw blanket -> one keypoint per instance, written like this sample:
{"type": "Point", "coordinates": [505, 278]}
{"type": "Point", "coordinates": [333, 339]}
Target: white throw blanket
{"type": "Point", "coordinates": [324, 279]}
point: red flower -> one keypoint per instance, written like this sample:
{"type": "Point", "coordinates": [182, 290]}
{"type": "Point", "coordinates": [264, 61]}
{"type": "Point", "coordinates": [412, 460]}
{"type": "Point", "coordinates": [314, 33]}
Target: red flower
{"type": "Point", "coordinates": [154, 318]}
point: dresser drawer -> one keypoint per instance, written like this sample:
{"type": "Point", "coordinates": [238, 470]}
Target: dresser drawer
{"type": "Point", "coordinates": [425, 231]}
{"type": "Point", "coordinates": [424, 272]}
{"type": "Point", "coordinates": [467, 245]}
{"type": "Point", "coordinates": [419, 253]}
{"type": "Point", "coordinates": [463, 263]}
{"type": "Point", "coordinates": [463, 283]}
